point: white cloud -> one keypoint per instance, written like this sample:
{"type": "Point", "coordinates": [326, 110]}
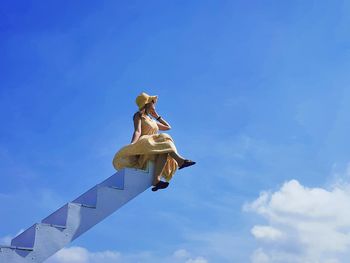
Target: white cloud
{"type": "Point", "coordinates": [341, 178]}
{"type": "Point", "coordinates": [181, 253]}
{"type": "Point", "coordinates": [303, 224]}
{"type": "Point", "coordinates": [259, 256]}
{"type": "Point", "coordinates": [82, 255]}
{"type": "Point", "coordinates": [184, 254]}
{"type": "Point", "coordinates": [266, 233]}
{"type": "Point", "coordinates": [5, 241]}
{"type": "Point", "coordinates": [197, 260]}
{"type": "Point", "coordinates": [70, 255]}
{"type": "Point", "coordinates": [105, 256]}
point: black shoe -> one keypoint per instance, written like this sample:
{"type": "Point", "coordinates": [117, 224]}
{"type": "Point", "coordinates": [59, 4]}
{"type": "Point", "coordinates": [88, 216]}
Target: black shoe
{"type": "Point", "coordinates": [160, 185]}
{"type": "Point", "coordinates": [187, 163]}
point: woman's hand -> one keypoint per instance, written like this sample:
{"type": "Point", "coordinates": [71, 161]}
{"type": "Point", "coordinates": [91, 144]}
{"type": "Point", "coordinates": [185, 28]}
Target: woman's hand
{"type": "Point", "coordinates": [162, 124]}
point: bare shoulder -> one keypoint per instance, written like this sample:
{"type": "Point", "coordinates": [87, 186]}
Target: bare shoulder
{"type": "Point", "coordinates": [137, 115]}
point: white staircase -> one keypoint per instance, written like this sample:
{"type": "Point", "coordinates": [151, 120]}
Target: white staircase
{"type": "Point", "coordinates": [44, 239]}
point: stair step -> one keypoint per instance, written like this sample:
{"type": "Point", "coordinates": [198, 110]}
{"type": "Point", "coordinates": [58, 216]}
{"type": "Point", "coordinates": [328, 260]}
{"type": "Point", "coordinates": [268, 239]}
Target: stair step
{"type": "Point", "coordinates": [115, 181]}
{"type": "Point", "coordinates": [18, 248]}
{"type": "Point", "coordinates": [53, 225]}
{"type": "Point", "coordinates": [59, 217]}
{"type": "Point", "coordinates": [84, 205]}
{"type": "Point", "coordinates": [25, 239]}
{"type": "Point", "coordinates": [42, 240]}
{"type": "Point", "coordinates": [117, 188]}
{"type": "Point", "coordinates": [89, 198]}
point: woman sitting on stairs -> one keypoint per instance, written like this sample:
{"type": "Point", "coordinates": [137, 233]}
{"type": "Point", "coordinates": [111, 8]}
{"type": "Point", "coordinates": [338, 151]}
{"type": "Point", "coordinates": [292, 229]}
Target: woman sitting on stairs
{"type": "Point", "coordinates": [147, 144]}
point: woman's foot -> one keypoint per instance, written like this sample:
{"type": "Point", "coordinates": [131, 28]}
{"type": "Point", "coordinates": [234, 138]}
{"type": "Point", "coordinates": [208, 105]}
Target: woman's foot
{"type": "Point", "coordinates": [186, 163]}
{"type": "Point", "coordinates": [160, 185]}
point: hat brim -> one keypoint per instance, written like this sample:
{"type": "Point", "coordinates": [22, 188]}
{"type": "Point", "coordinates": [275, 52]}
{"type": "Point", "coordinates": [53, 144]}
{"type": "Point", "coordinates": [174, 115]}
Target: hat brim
{"type": "Point", "coordinates": [154, 98]}
{"type": "Point", "coordinates": [150, 98]}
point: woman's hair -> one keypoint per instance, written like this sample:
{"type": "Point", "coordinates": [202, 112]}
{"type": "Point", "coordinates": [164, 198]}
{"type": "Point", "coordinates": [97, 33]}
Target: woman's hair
{"type": "Point", "coordinates": [145, 107]}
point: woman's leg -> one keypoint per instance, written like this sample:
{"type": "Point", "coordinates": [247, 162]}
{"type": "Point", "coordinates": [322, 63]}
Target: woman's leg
{"type": "Point", "coordinates": [178, 158]}
{"type": "Point", "coordinates": [160, 162]}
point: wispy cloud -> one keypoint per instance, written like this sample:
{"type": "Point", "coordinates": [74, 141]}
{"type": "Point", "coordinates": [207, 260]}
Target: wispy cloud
{"type": "Point", "coordinates": [6, 240]}
{"type": "Point", "coordinates": [25, 207]}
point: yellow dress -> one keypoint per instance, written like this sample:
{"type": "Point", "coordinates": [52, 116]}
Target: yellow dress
{"type": "Point", "coordinates": [149, 144]}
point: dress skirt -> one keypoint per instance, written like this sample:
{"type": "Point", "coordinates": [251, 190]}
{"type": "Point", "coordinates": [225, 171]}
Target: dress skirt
{"type": "Point", "coordinates": [137, 155]}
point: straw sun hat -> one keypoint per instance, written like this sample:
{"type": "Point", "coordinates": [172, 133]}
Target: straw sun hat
{"type": "Point", "coordinates": [144, 98]}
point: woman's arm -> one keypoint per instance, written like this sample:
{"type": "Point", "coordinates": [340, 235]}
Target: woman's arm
{"type": "Point", "coordinates": [163, 125]}
{"type": "Point", "coordinates": [137, 128]}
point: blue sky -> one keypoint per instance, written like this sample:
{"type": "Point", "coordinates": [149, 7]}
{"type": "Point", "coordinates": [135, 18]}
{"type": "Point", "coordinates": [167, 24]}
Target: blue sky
{"type": "Point", "coordinates": [256, 92]}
